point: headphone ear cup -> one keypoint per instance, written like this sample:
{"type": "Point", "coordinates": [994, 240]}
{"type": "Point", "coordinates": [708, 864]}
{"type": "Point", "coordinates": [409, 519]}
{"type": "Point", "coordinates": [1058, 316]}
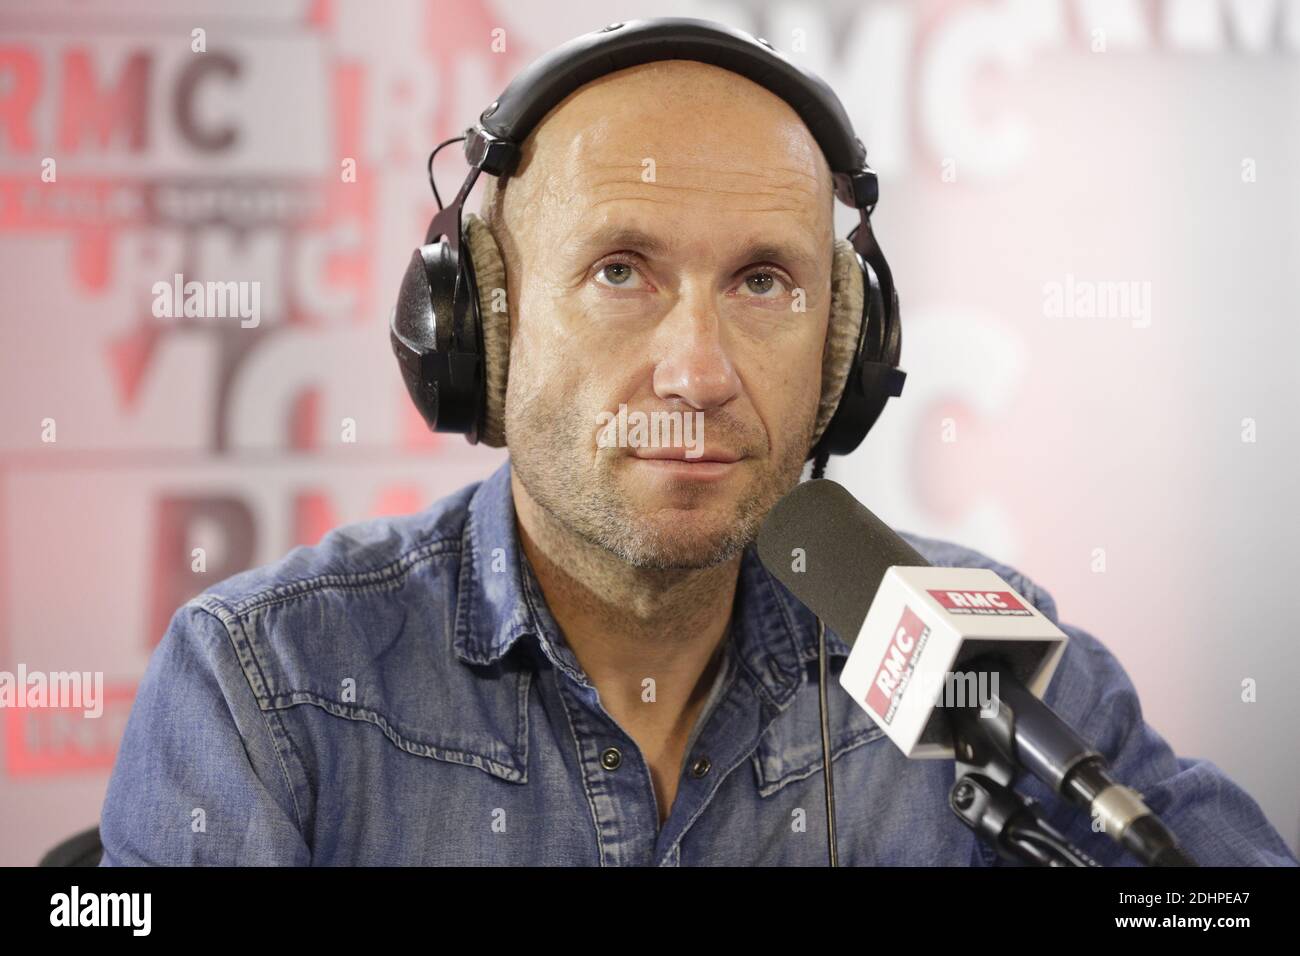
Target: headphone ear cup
{"type": "Point", "coordinates": [873, 375]}
{"type": "Point", "coordinates": [436, 336]}
{"type": "Point", "coordinates": [843, 333]}
{"type": "Point", "coordinates": [426, 292]}
{"type": "Point", "coordinates": [494, 319]}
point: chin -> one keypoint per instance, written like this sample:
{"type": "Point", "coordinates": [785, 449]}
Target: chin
{"type": "Point", "coordinates": [675, 539]}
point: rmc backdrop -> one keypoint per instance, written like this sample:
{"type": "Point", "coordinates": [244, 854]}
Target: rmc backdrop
{"type": "Point", "coordinates": [1090, 211]}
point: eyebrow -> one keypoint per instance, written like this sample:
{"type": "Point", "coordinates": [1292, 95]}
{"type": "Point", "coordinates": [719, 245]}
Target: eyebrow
{"type": "Point", "coordinates": [638, 240]}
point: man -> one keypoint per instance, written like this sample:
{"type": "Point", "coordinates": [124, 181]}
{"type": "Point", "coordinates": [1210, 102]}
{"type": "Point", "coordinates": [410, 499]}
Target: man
{"type": "Point", "coordinates": [579, 660]}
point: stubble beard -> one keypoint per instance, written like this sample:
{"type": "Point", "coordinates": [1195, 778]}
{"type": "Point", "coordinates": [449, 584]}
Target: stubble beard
{"type": "Point", "coordinates": [550, 451]}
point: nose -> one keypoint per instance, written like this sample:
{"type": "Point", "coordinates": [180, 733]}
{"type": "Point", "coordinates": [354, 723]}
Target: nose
{"type": "Point", "coordinates": [694, 366]}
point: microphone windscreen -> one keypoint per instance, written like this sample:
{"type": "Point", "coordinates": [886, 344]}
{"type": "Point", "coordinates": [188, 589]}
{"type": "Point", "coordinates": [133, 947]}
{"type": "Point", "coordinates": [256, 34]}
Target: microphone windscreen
{"type": "Point", "coordinates": [831, 552]}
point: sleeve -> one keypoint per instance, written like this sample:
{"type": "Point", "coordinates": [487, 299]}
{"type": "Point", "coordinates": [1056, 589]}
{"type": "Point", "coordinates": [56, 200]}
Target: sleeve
{"type": "Point", "coordinates": [199, 778]}
{"type": "Point", "coordinates": [1214, 819]}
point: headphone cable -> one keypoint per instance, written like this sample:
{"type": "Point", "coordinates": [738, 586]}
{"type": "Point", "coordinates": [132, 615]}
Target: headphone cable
{"type": "Point", "coordinates": [828, 773]}
{"type": "Point", "coordinates": [819, 464]}
{"type": "Point", "coordinates": [433, 185]}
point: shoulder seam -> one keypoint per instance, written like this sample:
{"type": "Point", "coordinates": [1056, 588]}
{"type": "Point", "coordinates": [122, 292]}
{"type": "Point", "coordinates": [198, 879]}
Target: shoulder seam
{"type": "Point", "coordinates": [279, 757]}
{"type": "Point", "coordinates": [392, 572]}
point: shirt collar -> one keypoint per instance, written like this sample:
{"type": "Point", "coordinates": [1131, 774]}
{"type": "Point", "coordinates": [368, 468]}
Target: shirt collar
{"type": "Point", "coordinates": [500, 601]}
{"type": "Point", "coordinates": [491, 612]}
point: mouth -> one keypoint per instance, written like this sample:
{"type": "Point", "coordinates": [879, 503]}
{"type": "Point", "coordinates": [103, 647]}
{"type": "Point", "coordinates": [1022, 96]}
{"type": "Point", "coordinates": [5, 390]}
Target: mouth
{"type": "Point", "coordinates": [672, 463]}
{"type": "Point", "coordinates": [718, 456]}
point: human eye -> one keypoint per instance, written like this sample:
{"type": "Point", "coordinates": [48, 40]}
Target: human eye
{"type": "Point", "coordinates": [765, 283]}
{"type": "Point", "coordinates": [618, 273]}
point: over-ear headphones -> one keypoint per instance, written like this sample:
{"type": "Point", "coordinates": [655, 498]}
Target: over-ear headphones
{"type": "Point", "coordinates": [450, 328]}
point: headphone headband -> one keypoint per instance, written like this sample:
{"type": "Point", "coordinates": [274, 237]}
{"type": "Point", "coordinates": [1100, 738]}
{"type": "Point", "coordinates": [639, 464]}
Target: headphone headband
{"type": "Point", "coordinates": [494, 144]}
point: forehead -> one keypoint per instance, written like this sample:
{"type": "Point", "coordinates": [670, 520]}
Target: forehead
{"type": "Point", "coordinates": [688, 136]}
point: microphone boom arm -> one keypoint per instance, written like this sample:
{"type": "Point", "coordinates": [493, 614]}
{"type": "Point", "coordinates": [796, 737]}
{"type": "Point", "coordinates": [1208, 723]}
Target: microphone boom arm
{"type": "Point", "coordinates": [1025, 734]}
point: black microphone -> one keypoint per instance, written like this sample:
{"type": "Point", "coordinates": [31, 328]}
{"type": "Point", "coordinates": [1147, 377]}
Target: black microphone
{"type": "Point", "coordinates": [910, 624]}
{"type": "Point", "coordinates": [842, 542]}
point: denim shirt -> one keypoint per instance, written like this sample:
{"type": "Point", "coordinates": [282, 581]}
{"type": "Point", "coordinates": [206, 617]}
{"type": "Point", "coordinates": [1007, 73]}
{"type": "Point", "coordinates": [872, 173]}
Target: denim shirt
{"type": "Point", "coordinates": [400, 694]}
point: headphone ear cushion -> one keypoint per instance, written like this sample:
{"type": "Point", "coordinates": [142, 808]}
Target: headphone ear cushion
{"type": "Point", "coordinates": [843, 329]}
{"type": "Point", "coordinates": [494, 317]}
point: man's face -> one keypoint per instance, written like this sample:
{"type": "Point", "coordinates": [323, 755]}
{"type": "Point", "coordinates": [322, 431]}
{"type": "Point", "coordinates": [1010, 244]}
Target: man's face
{"type": "Point", "coordinates": [669, 250]}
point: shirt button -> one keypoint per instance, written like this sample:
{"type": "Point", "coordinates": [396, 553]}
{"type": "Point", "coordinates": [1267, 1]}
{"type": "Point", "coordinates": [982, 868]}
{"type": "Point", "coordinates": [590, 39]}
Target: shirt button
{"type": "Point", "coordinates": [610, 758]}
{"type": "Point", "coordinates": [700, 767]}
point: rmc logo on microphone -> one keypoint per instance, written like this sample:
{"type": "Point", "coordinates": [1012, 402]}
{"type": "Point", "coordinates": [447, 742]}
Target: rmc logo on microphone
{"type": "Point", "coordinates": [1000, 603]}
{"type": "Point", "coordinates": [909, 647]}
{"type": "Point", "coordinates": [895, 671]}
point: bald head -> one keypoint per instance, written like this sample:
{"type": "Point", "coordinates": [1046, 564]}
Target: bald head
{"type": "Point", "coordinates": [693, 120]}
